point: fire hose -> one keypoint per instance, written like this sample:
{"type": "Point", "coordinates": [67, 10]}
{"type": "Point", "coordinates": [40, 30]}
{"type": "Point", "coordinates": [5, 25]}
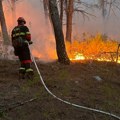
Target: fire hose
{"type": "Point", "coordinates": [67, 102]}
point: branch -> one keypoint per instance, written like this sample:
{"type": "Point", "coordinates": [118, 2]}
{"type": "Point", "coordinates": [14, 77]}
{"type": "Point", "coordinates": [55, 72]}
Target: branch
{"type": "Point", "coordinates": [110, 8]}
{"type": "Point", "coordinates": [16, 105]}
{"type": "Point", "coordinates": [114, 13]}
{"type": "Point", "coordinates": [117, 7]}
{"type": "Point", "coordinates": [83, 12]}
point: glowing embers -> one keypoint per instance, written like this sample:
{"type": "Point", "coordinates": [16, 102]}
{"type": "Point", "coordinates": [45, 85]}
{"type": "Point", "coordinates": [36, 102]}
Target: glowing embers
{"type": "Point", "coordinates": [94, 48]}
{"type": "Point", "coordinates": [106, 57]}
{"type": "Point", "coordinates": [78, 56]}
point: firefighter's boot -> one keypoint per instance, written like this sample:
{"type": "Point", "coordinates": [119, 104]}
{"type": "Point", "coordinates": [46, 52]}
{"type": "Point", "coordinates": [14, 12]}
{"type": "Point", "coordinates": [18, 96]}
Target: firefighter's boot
{"type": "Point", "coordinates": [29, 74]}
{"type": "Point", "coordinates": [21, 73]}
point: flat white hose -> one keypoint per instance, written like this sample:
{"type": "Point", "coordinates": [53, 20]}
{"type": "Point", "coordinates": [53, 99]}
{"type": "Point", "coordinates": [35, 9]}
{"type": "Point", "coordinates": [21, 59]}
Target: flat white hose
{"type": "Point", "coordinates": [69, 103]}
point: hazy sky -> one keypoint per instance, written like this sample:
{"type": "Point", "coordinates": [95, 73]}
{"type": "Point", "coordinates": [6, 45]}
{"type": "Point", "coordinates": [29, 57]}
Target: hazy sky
{"type": "Point", "coordinates": [32, 10]}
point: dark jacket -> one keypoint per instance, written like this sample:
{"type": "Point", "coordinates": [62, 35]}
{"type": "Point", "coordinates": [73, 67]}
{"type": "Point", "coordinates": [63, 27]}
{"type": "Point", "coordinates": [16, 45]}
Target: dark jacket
{"type": "Point", "coordinates": [21, 31]}
{"type": "Point", "coordinates": [22, 51]}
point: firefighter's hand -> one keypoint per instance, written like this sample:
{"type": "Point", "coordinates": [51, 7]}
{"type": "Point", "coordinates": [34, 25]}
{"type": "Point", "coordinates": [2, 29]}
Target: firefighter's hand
{"type": "Point", "coordinates": [26, 42]}
{"type": "Point", "coordinates": [30, 42]}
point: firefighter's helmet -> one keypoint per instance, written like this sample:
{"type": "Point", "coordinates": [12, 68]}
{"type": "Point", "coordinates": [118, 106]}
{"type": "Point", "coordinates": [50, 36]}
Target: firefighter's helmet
{"type": "Point", "coordinates": [21, 19]}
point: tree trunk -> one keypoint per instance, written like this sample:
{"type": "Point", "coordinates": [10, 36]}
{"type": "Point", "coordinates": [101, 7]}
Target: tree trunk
{"type": "Point", "coordinates": [69, 20]}
{"type": "Point", "coordinates": [3, 25]}
{"type": "Point", "coordinates": [60, 45]}
{"type": "Point", "coordinates": [13, 11]}
{"type": "Point", "coordinates": [61, 10]}
{"type": "Point", "coordinates": [45, 5]}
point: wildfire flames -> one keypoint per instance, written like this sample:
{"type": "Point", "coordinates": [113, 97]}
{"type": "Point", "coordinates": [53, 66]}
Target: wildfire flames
{"type": "Point", "coordinates": [78, 56]}
{"type": "Point", "coordinates": [94, 48]}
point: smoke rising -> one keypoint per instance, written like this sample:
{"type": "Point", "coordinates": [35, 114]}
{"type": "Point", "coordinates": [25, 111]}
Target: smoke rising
{"type": "Point", "coordinates": [40, 28]}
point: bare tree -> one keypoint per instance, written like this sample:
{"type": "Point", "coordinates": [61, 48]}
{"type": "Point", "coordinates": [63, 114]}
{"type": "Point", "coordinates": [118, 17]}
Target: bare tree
{"type": "Point", "coordinates": [60, 45]}
{"type": "Point", "coordinates": [13, 7]}
{"type": "Point", "coordinates": [45, 5]}
{"type": "Point", "coordinates": [70, 9]}
{"type": "Point", "coordinates": [61, 10]}
{"type": "Point", "coordinates": [69, 20]}
{"type": "Point", "coordinates": [3, 25]}
{"type": "Point", "coordinates": [109, 6]}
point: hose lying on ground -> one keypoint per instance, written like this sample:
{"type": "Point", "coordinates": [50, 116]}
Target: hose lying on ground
{"type": "Point", "coordinates": [69, 103]}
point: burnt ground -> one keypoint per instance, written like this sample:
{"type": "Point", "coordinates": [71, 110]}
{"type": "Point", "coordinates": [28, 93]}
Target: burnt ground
{"type": "Point", "coordinates": [74, 83]}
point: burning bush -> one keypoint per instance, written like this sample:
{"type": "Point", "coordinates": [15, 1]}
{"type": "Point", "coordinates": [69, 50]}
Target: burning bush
{"type": "Point", "coordinates": [91, 48]}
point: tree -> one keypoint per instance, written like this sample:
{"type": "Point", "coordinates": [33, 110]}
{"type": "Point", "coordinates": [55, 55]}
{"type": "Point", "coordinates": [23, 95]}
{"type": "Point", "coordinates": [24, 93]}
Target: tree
{"type": "Point", "coordinates": [60, 45]}
{"type": "Point", "coordinates": [45, 5]}
{"type": "Point", "coordinates": [13, 7]}
{"type": "Point", "coordinates": [69, 20]}
{"type": "Point", "coordinates": [3, 25]}
{"type": "Point", "coordinates": [61, 10]}
{"type": "Point", "coordinates": [71, 6]}
{"type": "Point", "coordinates": [109, 6]}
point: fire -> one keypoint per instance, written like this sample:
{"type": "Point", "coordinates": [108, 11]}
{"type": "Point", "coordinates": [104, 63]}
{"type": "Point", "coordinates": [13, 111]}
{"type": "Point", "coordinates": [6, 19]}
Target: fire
{"type": "Point", "coordinates": [78, 56]}
{"type": "Point", "coordinates": [91, 48]}
{"type": "Point", "coordinates": [94, 48]}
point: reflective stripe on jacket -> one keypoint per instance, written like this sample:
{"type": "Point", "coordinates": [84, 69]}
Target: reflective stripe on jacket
{"type": "Point", "coordinates": [21, 31]}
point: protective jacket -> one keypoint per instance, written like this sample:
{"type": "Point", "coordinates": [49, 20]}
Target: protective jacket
{"type": "Point", "coordinates": [21, 31]}
{"type": "Point", "coordinates": [22, 51]}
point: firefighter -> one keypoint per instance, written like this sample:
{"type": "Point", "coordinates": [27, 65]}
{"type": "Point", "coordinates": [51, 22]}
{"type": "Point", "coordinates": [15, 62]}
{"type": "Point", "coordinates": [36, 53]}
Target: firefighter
{"type": "Point", "coordinates": [21, 38]}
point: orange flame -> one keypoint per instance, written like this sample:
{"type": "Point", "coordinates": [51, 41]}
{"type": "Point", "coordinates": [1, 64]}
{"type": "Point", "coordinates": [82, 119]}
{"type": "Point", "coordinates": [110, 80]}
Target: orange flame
{"type": "Point", "coordinates": [94, 48]}
{"type": "Point", "coordinates": [78, 56]}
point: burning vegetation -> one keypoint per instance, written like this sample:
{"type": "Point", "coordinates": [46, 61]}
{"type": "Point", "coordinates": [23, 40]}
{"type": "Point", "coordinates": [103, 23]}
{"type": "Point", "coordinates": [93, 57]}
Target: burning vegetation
{"type": "Point", "coordinates": [96, 47]}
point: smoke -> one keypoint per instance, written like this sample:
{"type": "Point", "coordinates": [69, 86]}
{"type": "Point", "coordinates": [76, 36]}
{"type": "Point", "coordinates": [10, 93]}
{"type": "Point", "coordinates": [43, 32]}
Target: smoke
{"type": "Point", "coordinates": [40, 28]}
{"type": "Point", "coordinates": [108, 25]}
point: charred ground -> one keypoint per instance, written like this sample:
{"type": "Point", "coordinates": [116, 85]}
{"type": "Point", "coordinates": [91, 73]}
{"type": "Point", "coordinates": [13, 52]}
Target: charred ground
{"type": "Point", "coordinates": [74, 83]}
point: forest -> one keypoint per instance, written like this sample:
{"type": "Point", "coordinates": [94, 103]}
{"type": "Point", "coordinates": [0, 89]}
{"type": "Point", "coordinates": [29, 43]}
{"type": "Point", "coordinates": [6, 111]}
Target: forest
{"type": "Point", "coordinates": [75, 58]}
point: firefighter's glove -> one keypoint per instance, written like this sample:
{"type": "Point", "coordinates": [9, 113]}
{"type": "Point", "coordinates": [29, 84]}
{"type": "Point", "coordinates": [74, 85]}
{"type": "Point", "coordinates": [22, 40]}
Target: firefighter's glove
{"type": "Point", "coordinates": [30, 42]}
{"type": "Point", "coordinates": [26, 42]}
{"type": "Point", "coordinates": [16, 53]}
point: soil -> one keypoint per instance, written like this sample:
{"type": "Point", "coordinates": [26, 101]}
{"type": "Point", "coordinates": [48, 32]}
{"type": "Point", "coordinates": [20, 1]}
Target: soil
{"type": "Point", "coordinates": [87, 83]}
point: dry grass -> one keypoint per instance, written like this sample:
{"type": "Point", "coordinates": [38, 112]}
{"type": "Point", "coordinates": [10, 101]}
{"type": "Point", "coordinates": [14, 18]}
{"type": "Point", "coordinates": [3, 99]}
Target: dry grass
{"type": "Point", "coordinates": [92, 47]}
{"type": "Point", "coordinates": [74, 83]}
